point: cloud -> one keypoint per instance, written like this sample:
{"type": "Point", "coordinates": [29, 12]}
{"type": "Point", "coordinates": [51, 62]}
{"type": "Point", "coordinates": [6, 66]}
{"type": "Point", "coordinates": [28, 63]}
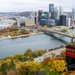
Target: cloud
{"type": "Point", "coordinates": [23, 5]}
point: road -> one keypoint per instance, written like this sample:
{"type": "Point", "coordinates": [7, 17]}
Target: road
{"type": "Point", "coordinates": [57, 51]}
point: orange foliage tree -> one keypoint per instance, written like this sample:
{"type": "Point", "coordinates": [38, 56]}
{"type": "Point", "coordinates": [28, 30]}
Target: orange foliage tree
{"type": "Point", "coordinates": [45, 26]}
{"type": "Point", "coordinates": [45, 61]}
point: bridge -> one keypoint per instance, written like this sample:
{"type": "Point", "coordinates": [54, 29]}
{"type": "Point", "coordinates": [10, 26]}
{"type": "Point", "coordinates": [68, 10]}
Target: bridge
{"type": "Point", "coordinates": [61, 30]}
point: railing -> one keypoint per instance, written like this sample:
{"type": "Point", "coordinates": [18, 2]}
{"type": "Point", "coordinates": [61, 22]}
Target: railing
{"type": "Point", "coordinates": [56, 48]}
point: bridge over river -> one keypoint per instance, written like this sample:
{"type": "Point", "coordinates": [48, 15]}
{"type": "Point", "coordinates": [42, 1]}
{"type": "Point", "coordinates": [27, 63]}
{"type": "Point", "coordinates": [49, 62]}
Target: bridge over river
{"type": "Point", "coordinates": [61, 30]}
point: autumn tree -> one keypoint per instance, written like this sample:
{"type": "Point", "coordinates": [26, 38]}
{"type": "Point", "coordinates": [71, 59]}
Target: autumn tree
{"type": "Point", "coordinates": [63, 55]}
{"type": "Point", "coordinates": [57, 65]}
{"type": "Point", "coordinates": [46, 61]}
{"type": "Point", "coordinates": [45, 26]}
{"type": "Point", "coordinates": [28, 68]}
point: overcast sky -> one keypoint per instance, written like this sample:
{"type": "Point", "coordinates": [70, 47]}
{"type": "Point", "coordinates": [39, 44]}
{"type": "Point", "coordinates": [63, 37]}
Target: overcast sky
{"type": "Point", "coordinates": [33, 5]}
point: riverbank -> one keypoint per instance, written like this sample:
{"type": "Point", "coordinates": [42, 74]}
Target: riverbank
{"type": "Point", "coordinates": [26, 35]}
{"type": "Point", "coordinates": [56, 51]}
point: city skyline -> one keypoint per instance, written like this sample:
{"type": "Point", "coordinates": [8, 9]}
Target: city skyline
{"type": "Point", "coordinates": [34, 5]}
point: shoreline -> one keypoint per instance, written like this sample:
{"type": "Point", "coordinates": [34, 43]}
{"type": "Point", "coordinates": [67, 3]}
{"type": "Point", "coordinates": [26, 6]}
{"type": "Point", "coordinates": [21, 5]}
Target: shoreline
{"type": "Point", "coordinates": [19, 36]}
{"type": "Point", "coordinates": [56, 51]}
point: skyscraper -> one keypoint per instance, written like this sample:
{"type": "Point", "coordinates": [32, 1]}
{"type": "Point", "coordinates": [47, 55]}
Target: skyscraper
{"type": "Point", "coordinates": [54, 11]}
{"type": "Point", "coordinates": [73, 14]}
{"type": "Point", "coordinates": [68, 21]}
{"type": "Point", "coordinates": [60, 11]}
{"type": "Point", "coordinates": [40, 12]}
{"type": "Point", "coordinates": [36, 18]}
{"type": "Point", "coordinates": [47, 15]}
{"type": "Point", "coordinates": [51, 7]}
{"type": "Point", "coordinates": [18, 22]}
{"type": "Point", "coordinates": [43, 19]}
{"type": "Point", "coordinates": [51, 10]}
{"type": "Point", "coordinates": [63, 20]}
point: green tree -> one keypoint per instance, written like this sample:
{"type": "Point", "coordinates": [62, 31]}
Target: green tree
{"type": "Point", "coordinates": [41, 52]}
{"type": "Point", "coordinates": [37, 53]}
{"type": "Point", "coordinates": [28, 53]}
{"type": "Point", "coordinates": [4, 67]}
{"type": "Point", "coordinates": [25, 58]}
{"type": "Point", "coordinates": [18, 57]}
{"type": "Point", "coordinates": [53, 73]}
{"type": "Point", "coordinates": [12, 65]}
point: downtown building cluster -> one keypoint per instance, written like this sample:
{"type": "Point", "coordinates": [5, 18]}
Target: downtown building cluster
{"type": "Point", "coordinates": [55, 16]}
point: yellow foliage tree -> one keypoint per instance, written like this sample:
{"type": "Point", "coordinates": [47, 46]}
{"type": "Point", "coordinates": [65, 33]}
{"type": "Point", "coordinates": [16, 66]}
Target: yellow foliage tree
{"type": "Point", "coordinates": [28, 68]}
{"type": "Point", "coordinates": [57, 65]}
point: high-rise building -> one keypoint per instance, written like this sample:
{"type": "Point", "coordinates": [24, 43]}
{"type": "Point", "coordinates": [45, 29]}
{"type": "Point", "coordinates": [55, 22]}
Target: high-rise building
{"type": "Point", "coordinates": [73, 14]}
{"type": "Point", "coordinates": [63, 20]}
{"type": "Point", "coordinates": [18, 22]}
{"type": "Point", "coordinates": [36, 18]}
{"type": "Point", "coordinates": [48, 15]}
{"type": "Point", "coordinates": [51, 7]}
{"type": "Point", "coordinates": [40, 12]}
{"type": "Point", "coordinates": [51, 22]}
{"type": "Point", "coordinates": [54, 12]}
{"type": "Point", "coordinates": [43, 22]}
{"type": "Point", "coordinates": [43, 19]}
{"type": "Point", "coordinates": [68, 21]}
{"type": "Point", "coordinates": [60, 11]}
{"type": "Point", "coordinates": [51, 10]}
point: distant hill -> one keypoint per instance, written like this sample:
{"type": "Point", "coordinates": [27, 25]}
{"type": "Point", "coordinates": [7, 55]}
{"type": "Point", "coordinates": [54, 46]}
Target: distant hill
{"type": "Point", "coordinates": [26, 13]}
{"type": "Point", "coordinates": [8, 13]}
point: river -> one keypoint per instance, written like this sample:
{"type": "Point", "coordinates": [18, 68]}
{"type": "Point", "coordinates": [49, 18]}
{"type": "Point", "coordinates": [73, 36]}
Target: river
{"type": "Point", "coordinates": [40, 41]}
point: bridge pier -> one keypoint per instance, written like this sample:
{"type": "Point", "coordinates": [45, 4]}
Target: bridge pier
{"type": "Point", "coordinates": [51, 34]}
{"type": "Point", "coordinates": [71, 39]}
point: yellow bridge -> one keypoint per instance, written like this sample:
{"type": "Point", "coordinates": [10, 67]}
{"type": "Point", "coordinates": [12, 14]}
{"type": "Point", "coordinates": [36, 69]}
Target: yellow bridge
{"type": "Point", "coordinates": [61, 30]}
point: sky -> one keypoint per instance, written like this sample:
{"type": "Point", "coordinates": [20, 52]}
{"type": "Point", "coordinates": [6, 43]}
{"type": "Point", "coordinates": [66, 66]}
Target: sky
{"type": "Point", "coordinates": [34, 5]}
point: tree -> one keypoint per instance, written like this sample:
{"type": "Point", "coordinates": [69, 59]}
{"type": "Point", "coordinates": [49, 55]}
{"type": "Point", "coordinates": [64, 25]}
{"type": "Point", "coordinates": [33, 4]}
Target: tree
{"type": "Point", "coordinates": [25, 58]}
{"type": "Point", "coordinates": [22, 31]}
{"type": "Point", "coordinates": [4, 67]}
{"type": "Point", "coordinates": [37, 53]}
{"type": "Point", "coordinates": [28, 53]}
{"type": "Point", "coordinates": [45, 26]}
{"type": "Point", "coordinates": [28, 68]}
{"type": "Point", "coordinates": [63, 55]}
{"type": "Point", "coordinates": [12, 65]}
{"type": "Point", "coordinates": [18, 57]}
{"type": "Point", "coordinates": [53, 55]}
{"type": "Point", "coordinates": [46, 61]}
{"type": "Point", "coordinates": [57, 65]}
{"type": "Point", "coordinates": [41, 52]}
